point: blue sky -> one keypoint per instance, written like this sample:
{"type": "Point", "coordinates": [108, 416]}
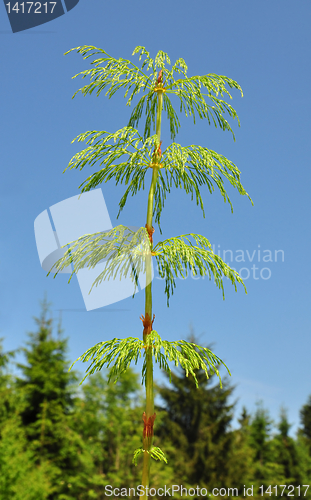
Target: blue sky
{"type": "Point", "coordinates": [264, 336]}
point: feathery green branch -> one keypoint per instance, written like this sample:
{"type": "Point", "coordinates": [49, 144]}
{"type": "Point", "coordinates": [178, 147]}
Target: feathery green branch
{"type": "Point", "coordinates": [122, 352]}
{"type": "Point", "coordinates": [115, 74]}
{"type": "Point", "coordinates": [188, 167]}
{"type": "Point", "coordinates": [123, 250]}
{"type": "Point", "coordinates": [155, 452]}
{"type": "Point", "coordinates": [175, 257]}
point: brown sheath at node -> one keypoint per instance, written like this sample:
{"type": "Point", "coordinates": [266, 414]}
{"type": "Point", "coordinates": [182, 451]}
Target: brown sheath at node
{"type": "Point", "coordinates": [147, 323]}
{"type": "Point", "coordinates": [148, 425]}
{"type": "Point", "coordinates": [150, 232]}
{"type": "Point", "coordinates": [159, 149]}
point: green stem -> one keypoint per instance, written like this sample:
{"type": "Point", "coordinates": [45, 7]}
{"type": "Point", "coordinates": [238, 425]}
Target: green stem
{"type": "Point", "coordinates": [148, 441]}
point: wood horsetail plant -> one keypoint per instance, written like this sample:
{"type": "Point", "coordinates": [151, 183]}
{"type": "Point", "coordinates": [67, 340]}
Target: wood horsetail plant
{"type": "Point", "coordinates": [131, 252]}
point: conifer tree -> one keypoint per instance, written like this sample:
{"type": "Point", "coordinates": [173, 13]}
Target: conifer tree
{"type": "Point", "coordinates": [132, 252]}
{"type": "Point", "coordinates": [8, 400]}
{"type": "Point", "coordinates": [106, 437]}
{"type": "Point", "coordinates": [303, 443]}
{"type": "Point", "coordinates": [45, 383]}
{"type": "Point", "coordinates": [241, 460]}
{"type": "Point", "coordinates": [286, 452]}
{"type": "Point", "coordinates": [118, 434]}
{"type": "Point", "coordinates": [304, 459]}
{"type": "Point", "coordinates": [244, 421]}
{"type": "Point", "coordinates": [47, 391]}
{"type": "Point", "coordinates": [20, 478]}
{"type": "Point", "coordinates": [305, 419]}
{"type": "Point", "coordinates": [267, 470]}
{"type": "Point", "coordinates": [197, 423]}
{"type": "Point", "coordinates": [261, 426]}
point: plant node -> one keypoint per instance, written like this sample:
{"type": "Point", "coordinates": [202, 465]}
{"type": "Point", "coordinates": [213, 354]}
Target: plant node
{"type": "Point", "coordinates": [148, 425]}
{"type": "Point", "coordinates": [150, 232]}
{"type": "Point", "coordinates": [147, 323]}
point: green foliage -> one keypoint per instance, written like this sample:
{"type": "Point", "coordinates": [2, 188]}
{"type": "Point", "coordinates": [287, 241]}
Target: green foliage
{"type": "Point", "coordinates": [105, 424]}
{"type": "Point", "coordinates": [304, 459]}
{"type": "Point", "coordinates": [195, 428]}
{"type": "Point", "coordinates": [133, 169]}
{"type": "Point", "coordinates": [305, 418]}
{"type": "Point", "coordinates": [124, 250]}
{"type": "Point", "coordinates": [240, 462]}
{"type": "Point", "coordinates": [121, 427]}
{"type": "Point", "coordinates": [128, 251]}
{"type": "Point", "coordinates": [188, 355]}
{"type": "Point", "coordinates": [122, 352]}
{"type": "Point", "coordinates": [261, 425]}
{"type": "Point", "coordinates": [47, 391]}
{"type": "Point", "coordinates": [155, 452]}
{"type": "Point", "coordinates": [267, 469]}
{"type": "Point", "coordinates": [46, 385]}
{"type": "Point", "coordinates": [187, 167]}
{"type": "Point", "coordinates": [8, 400]}
{"type": "Point", "coordinates": [192, 166]}
{"type": "Point", "coordinates": [122, 73]}
{"type": "Point", "coordinates": [286, 452]}
{"type": "Point", "coordinates": [173, 254]}
{"type": "Point", "coordinates": [4, 360]}
{"type": "Point", "coordinates": [262, 459]}
{"type": "Point", "coordinates": [20, 476]}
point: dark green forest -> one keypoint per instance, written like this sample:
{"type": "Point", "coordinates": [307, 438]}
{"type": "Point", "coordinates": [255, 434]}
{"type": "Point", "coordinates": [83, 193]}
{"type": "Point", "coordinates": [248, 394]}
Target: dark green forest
{"type": "Point", "coordinates": [63, 441]}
